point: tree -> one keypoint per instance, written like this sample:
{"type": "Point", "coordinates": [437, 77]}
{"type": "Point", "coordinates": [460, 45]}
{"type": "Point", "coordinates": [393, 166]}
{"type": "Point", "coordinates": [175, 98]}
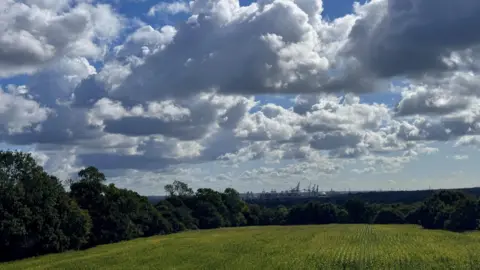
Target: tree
{"type": "Point", "coordinates": [36, 214]}
{"type": "Point", "coordinates": [448, 209]}
{"type": "Point", "coordinates": [209, 204]}
{"type": "Point", "coordinates": [231, 199]}
{"type": "Point", "coordinates": [389, 216]}
{"type": "Point", "coordinates": [252, 214]}
{"type": "Point", "coordinates": [91, 174]}
{"type": "Point", "coordinates": [414, 216]}
{"type": "Point", "coordinates": [208, 216]}
{"type": "Point", "coordinates": [280, 216]}
{"type": "Point", "coordinates": [358, 211]}
{"type": "Point", "coordinates": [178, 188]}
{"type": "Point", "coordinates": [464, 216]}
{"type": "Point", "coordinates": [117, 214]}
{"type": "Point", "coordinates": [342, 215]}
{"type": "Point", "coordinates": [297, 215]}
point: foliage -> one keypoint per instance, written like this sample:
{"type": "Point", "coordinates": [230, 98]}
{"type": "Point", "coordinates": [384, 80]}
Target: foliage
{"type": "Point", "coordinates": [389, 216]}
{"type": "Point", "coordinates": [452, 210]}
{"type": "Point", "coordinates": [178, 188]}
{"type": "Point", "coordinates": [117, 214]}
{"type": "Point", "coordinates": [359, 211]}
{"type": "Point", "coordinates": [38, 216]}
{"type": "Point", "coordinates": [314, 213]}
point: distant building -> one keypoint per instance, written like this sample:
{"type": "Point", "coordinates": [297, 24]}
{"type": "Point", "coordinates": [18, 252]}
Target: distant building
{"type": "Point", "coordinates": [295, 192]}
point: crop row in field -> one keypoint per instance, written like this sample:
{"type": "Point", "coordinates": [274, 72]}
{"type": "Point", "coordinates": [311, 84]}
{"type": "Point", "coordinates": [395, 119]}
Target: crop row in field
{"type": "Point", "coordinates": [288, 247]}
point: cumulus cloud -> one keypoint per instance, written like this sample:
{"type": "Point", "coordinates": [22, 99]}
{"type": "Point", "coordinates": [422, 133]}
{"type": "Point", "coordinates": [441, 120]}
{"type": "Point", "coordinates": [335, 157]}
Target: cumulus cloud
{"type": "Point", "coordinates": [169, 8]}
{"type": "Point", "coordinates": [381, 40]}
{"type": "Point", "coordinates": [33, 33]}
{"type": "Point", "coordinates": [460, 157]}
{"type": "Point", "coordinates": [187, 120]}
{"type": "Point", "coordinates": [468, 141]}
{"type": "Point", "coordinates": [399, 37]}
{"type": "Point", "coordinates": [144, 41]}
{"type": "Point", "coordinates": [158, 98]}
{"type": "Point", "coordinates": [18, 111]}
{"type": "Point", "coordinates": [434, 101]}
{"type": "Point", "coordinates": [239, 50]}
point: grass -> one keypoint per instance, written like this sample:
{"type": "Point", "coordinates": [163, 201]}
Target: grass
{"type": "Point", "coordinates": [289, 247]}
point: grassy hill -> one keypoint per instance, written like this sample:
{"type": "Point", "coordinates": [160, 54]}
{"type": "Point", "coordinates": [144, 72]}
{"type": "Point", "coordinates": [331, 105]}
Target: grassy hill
{"type": "Point", "coordinates": [289, 247]}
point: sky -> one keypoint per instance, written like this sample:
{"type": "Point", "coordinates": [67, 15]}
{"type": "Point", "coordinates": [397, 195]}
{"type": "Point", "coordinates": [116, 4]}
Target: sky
{"type": "Point", "coordinates": [369, 95]}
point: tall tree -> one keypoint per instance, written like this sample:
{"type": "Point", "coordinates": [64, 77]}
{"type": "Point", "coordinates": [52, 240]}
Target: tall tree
{"type": "Point", "coordinates": [36, 214]}
{"type": "Point", "coordinates": [178, 188]}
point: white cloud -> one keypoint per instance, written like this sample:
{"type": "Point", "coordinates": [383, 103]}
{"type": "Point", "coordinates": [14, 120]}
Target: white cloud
{"type": "Point", "coordinates": [145, 40]}
{"type": "Point", "coordinates": [169, 8]}
{"type": "Point", "coordinates": [34, 33]}
{"type": "Point", "coordinates": [18, 111]}
{"type": "Point", "coordinates": [143, 100]}
{"type": "Point", "coordinates": [260, 48]}
{"type": "Point", "coordinates": [460, 157]}
{"type": "Point", "coordinates": [468, 141]}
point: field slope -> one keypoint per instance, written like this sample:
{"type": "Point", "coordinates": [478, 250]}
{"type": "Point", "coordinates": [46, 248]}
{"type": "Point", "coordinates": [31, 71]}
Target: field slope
{"type": "Point", "coordinates": [293, 247]}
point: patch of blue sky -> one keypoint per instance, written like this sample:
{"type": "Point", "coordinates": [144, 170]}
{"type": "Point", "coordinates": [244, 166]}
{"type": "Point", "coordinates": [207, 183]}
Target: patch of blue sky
{"type": "Point", "coordinates": [16, 80]}
{"type": "Point", "coordinates": [139, 10]}
{"type": "Point", "coordinates": [421, 173]}
{"type": "Point", "coordinates": [388, 98]}
{"type": "Point", "coordinates": [333, 9]}
{"type": "Point", "coordinates": [10, 147]}
{"type": "Point", "coordinates": [285, 101]}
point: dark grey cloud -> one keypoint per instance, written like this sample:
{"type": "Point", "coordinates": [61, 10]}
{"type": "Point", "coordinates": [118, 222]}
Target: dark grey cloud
{"type": "Point", "coordinates": [433, 102]}
{"type": "Point", "coordinates": [413, 37]}
{"type": "Point", "coordinates": [334, 140]}
{"type": "Point", "coordinates": [63, 126]}
{"type": "Point", "coordinates": [142, 126]}
{"type": "Point", "coordinates": [108, 161]}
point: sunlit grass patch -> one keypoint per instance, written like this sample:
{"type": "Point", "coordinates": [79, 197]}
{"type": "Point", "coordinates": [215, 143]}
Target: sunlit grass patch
{"type": "Point", "coordinates": [276, 247]}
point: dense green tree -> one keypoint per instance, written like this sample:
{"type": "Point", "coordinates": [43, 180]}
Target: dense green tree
{"type": "Point", "coordinates": [180, 216]}
{"type": "Point", "coordinates": [297, 215]}
{"type": "Point", "coordinates": [389, 216]}
{"type": "Point", "coordinates": [36, 214]}
{"type": "Point", "coordinates": [231, 199]}
{"type": "Point", "coordinates": [280, 216]}
{"type": "Point", "coordinates": [117, 214]}
{"type": "Point", "coordinates": [450, 209]}
{"type": "Point", "coordinates": [209, 208]}
{"type": "Point", "coordinates": [253, 214]}
{"type": "Point", "coordinates": [359, 211]}
{"type": "Point", "coordinates": [91, 174]}
{"type": "Point", "coordinates": [327, 213]}
{"type": "Point", "coordinates": [207, 215]}
{"type": "Point", "coordinates": [342, 215]}
{"type": "Point", "coordinates": [464, 217]}
{"type": "Point", "coordinates": [414, 216]}
{"type": "Point", "coordinates": [313, 213]}
{"type": "Point", "coordinates": [178, 188]}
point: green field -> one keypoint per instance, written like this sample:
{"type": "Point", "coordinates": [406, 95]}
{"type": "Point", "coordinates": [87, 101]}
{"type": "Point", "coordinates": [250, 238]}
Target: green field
{"type": "Point", "coordinates": [292, 247]}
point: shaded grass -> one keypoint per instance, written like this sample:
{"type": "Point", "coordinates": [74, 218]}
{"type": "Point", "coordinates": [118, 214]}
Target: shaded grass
{"type": "Point", "coordinates": [275, 247]}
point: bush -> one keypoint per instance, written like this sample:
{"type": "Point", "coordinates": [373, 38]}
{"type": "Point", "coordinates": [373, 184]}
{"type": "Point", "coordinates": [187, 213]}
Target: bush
{"type": "Point", "coordinates": [389, 216]}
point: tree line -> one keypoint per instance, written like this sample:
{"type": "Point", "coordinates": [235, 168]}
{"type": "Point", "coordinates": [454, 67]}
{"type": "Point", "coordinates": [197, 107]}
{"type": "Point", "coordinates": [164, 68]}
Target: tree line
{"type": "Point", "coordinates": [38, 216]}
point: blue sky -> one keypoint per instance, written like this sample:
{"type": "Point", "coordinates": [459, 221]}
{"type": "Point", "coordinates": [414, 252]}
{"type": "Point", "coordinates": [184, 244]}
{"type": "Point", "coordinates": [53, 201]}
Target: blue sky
{"type": "Point", "coordinates": [120, 93]}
